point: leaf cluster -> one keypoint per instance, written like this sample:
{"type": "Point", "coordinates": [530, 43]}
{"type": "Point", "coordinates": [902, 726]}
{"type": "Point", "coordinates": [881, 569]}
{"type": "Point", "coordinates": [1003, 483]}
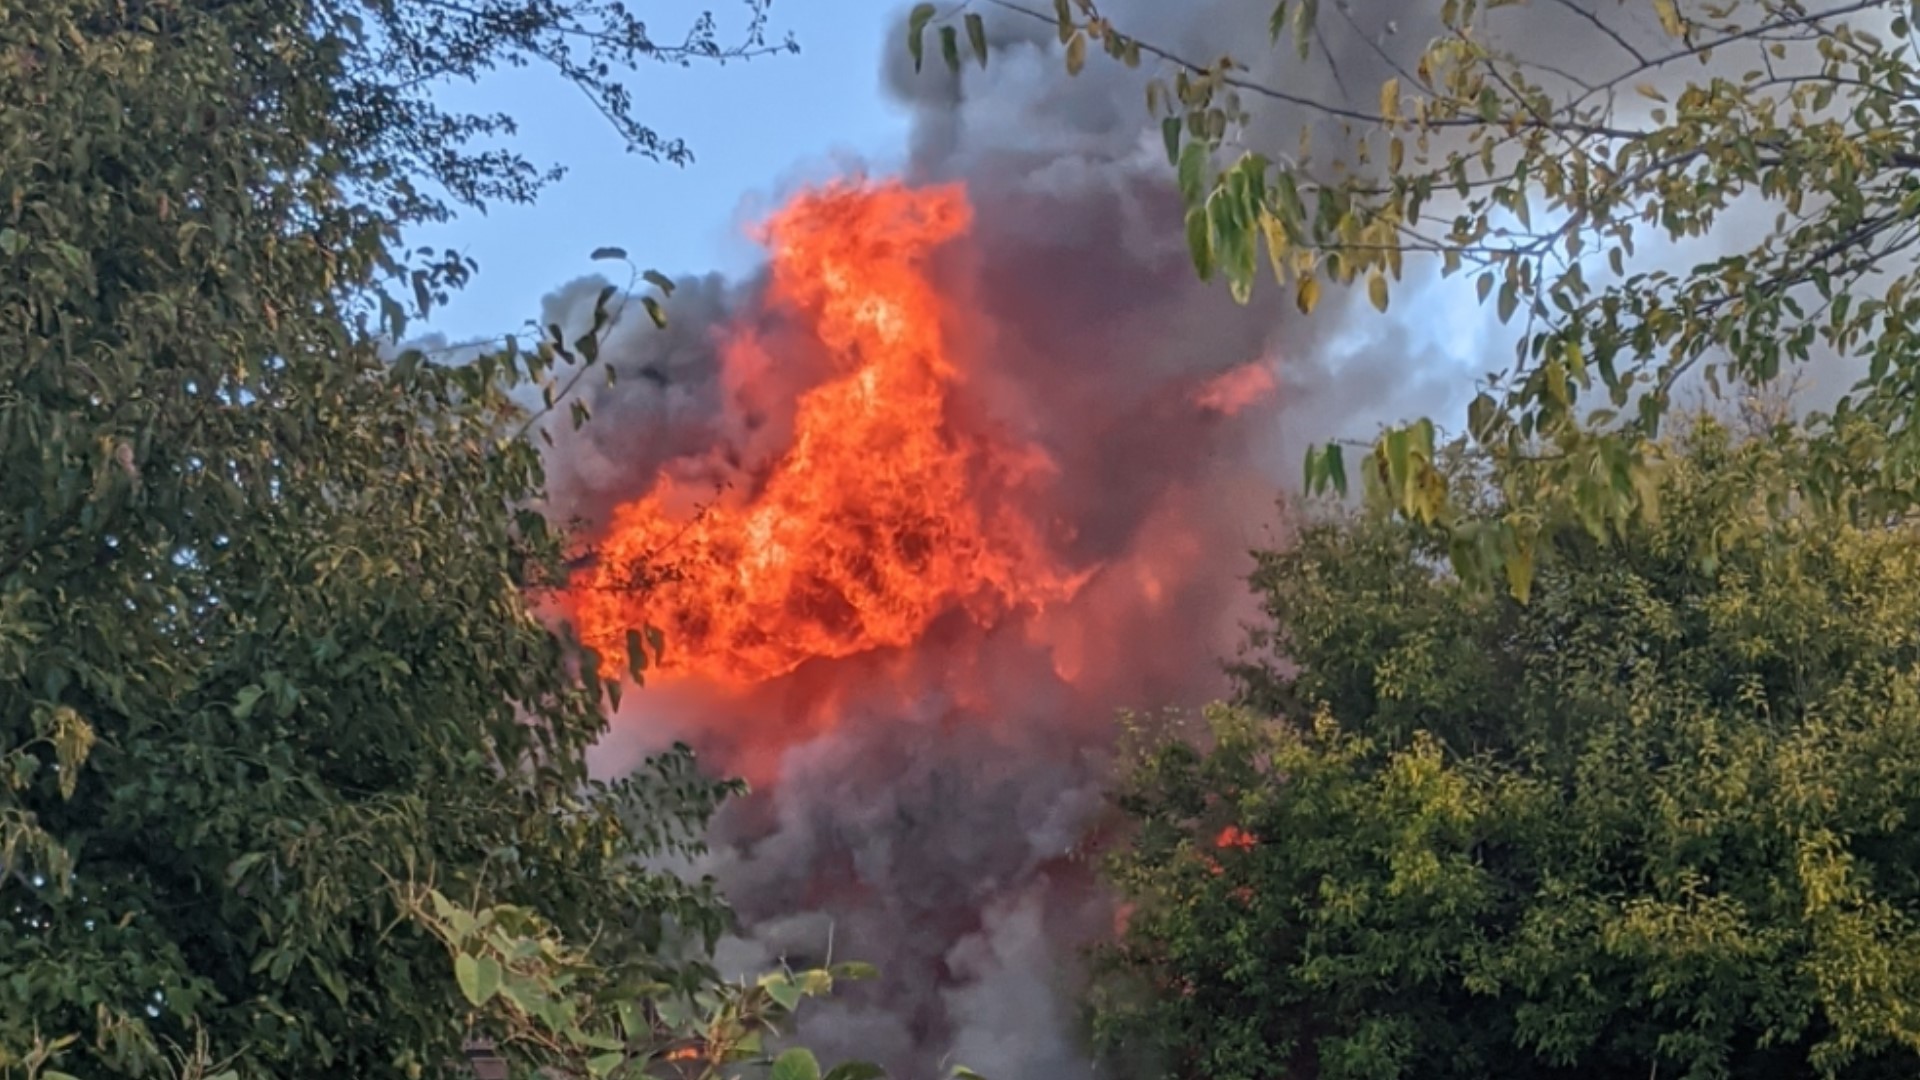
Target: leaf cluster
{"type": "Point", "coordinates": [268, 665]}
{"type": "Point", "coordinates": [1544, 185]}
{"type": "Point", "coordinates": [1657, 821]}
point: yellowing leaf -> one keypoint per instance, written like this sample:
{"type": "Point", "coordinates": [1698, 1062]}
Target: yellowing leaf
{"type": "Point", "coordinates": [1276, 235]}
{"type": "Point", "coordinates": [1519, 567]}
{"type": "Point", "coordinates": [1390, 99]}
{"type": "Point", "coordinates": [1308, 295]}
{"type": "Point", "coordinates": [1076, 53]}
{"type": "Point", "coordinates": [1377, 290]}
{"type": "Point", "coordinates": [1669, 17]}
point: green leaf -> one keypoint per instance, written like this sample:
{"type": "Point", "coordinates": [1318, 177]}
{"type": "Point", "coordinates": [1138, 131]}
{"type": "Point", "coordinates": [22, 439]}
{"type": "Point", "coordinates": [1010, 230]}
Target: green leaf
{"type": "Point", "coordinates": [246, 700]}
{"type": "Point", "coordinates": [977, 36]}
{"type": "Point", "coordinates": [1482, 414]}
{"type": "Point", "coordinates": [1336, 468]}
{"type": "Point", "coordinates": [1200, 241]}
{"type": "Point", "coordinates": [601, 254]}
{"type": "Point", "coordinates": [917, 22]}
{"type": "Point", "coordinates": [950, 47]}
{"type": "Point", "coordinates": [1399, 453]}
{"type": "Point", "coordinates": [603, 1064]}
{"type": "Point", "coordinates": [466, 971]}
{"type": "Point", "coordinates": [796, 1064]}
{"type": "Point", "coordinates": [237, 869]}
{"type": "Point", "coordinates": [1193, 171]}
{"type": "Point", "coordinates": [654, 311]}
{"type": "Point", "coordinates": [659, 281]}
{"type": "Point", "coordinates": [487, 980]}
{"type": "Point", "coordinates": [856, 1070]}
{"type": "Point", "coordinates": [1170, 135]}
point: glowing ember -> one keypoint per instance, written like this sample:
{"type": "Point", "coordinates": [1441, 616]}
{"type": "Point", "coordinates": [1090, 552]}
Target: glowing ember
{"type": "Point", "coordinates": [881, 515]}
{"type": "Point", "coordinates": [1233, 836]}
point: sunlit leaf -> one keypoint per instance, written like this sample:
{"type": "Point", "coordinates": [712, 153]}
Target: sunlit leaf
{"type": "Point", "coordinates": [1308, 294]}
{"type": "Point", "coordinates": [795, 1064]}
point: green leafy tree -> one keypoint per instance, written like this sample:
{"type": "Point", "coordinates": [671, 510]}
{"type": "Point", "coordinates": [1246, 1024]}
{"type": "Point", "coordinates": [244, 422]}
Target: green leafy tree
{"type": "Point", "coordinates": [292, 778]}
{"type": "Point", "coordinates": [1541, 183]}
{"type": "Point", "coordinates": [1658, 821]}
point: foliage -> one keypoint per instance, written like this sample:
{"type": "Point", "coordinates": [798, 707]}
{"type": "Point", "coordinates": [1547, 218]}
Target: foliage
{"type": "Point", "coordinates": [400, 53]}
{"type": "Point", "coordinates": [269, 674]}
{"type": "Point", "coordinates": [511, 954]}
{"type": "Point", "coordinates": [1658, 821]}
{"type": "Point", "coordinates": [1541, 182]}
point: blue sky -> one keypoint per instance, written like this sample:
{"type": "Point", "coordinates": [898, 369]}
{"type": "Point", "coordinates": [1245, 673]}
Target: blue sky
{"type": "Point", "coordinates": [754, 127]}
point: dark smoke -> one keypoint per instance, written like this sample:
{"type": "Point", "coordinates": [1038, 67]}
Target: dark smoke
{"type": "Point", "coordinates": [940, 819]}
{"type": "Point", "coordinates": [938, 807]}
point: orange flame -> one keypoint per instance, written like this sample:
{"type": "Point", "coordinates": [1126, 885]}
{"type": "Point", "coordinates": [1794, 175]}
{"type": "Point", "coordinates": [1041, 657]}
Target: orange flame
{"type": "Point", "coordinates": [1233, 836]}
{"type": "Point", "coordinates": [881, 515]}
{"type": "Point", "coordinates": [1236, 389]}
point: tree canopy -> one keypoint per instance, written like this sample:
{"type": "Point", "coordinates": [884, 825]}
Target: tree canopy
{"type": "Point", "coordinates": [292, 778]}
{"type": "Point", "coordinates": [1656, 821]}
{"type": "Point", "coordinates": [1777, 133]}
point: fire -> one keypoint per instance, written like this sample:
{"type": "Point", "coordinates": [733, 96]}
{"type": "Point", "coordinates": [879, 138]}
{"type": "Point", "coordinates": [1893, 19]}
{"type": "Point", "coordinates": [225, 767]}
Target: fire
{"type": "Point", "coordinates": [881, 515]}
{"type": "Point", "coordinates": [1233, 836]}
{"type": "Point", "coordinates": [1237, 388]}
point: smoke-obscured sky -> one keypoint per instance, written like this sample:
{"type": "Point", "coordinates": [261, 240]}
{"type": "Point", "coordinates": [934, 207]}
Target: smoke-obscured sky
{"type": "Point", "coordinates": [755, 127]}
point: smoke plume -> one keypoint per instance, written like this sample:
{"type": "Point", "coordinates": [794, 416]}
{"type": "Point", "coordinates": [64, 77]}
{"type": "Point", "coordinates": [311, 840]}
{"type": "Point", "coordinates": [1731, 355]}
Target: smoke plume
{"type": "Point", "coordinates": [933, 808]}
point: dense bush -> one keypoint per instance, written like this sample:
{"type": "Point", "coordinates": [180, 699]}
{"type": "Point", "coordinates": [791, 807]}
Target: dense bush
{"type": "Point", "coordinates": [1659, 822]}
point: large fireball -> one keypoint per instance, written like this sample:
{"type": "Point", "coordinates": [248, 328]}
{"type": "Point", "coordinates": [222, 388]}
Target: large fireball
{"type": "Point", "coordinates": [880, 516]}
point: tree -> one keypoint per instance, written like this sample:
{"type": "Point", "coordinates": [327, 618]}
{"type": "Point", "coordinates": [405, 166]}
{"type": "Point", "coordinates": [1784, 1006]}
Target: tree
{"type": "Point", "coordinates": [1657, 821]}
{"type": "Point", "coordinates": [292, 778]}
{"type": "Point", "coordinates": [1543, 182]}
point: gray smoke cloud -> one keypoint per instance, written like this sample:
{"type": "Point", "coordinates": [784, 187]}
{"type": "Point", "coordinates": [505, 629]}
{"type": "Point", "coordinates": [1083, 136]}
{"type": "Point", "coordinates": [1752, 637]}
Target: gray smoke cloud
{"type": "Point", "coordinates": [936, 808]}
